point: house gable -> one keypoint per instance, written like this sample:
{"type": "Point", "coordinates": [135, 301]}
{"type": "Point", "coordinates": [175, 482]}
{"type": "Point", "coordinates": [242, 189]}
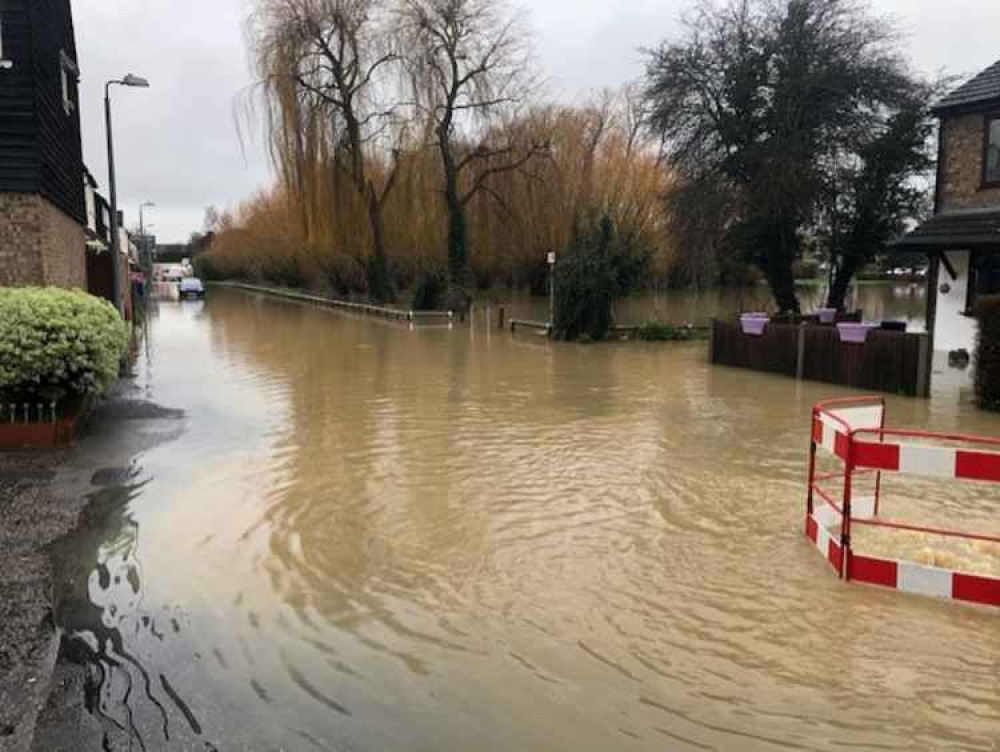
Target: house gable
{"type": "Point", "coordinates": [961, 176]}
{"type": "Point", "coordinates": [40, 147]}
{"type": "Point", "coordinates": [966, 115]}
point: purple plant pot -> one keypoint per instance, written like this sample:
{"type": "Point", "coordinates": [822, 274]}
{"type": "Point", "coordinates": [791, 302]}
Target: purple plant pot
{"type": "Point", "coordinates": [855, 333]}
{"type": "Point", "coordinates": [827, 315]}
{"type": "Point", "coordinates": [754, 324]}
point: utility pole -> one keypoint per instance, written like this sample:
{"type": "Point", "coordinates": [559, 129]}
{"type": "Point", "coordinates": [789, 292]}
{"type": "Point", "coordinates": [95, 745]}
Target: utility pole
{"type": "Point", "coordinates": [116, 261]}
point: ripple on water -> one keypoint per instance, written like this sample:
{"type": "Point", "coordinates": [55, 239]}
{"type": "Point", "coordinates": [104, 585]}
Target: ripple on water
{"type": "Point", "coordinates": [396, 539]}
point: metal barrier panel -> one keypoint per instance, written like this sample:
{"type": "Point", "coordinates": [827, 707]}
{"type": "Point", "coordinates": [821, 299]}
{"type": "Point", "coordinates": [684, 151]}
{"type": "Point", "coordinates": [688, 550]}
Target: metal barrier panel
{"type": "Point", "coordinates": [853, 431]}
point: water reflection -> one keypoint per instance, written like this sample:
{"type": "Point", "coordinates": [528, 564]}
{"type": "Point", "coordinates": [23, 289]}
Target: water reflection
{"type": "Point", "coordinates": [98, 603]}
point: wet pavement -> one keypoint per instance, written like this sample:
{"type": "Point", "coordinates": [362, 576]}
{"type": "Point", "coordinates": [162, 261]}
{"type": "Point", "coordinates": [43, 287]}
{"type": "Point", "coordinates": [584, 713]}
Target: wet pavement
{"type": "Point", "coordinates": [45, 496]}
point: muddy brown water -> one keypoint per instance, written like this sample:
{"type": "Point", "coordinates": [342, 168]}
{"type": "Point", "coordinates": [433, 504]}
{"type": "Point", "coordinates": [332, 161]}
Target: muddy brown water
{"type": "Point", "coordinates": [377, 538]}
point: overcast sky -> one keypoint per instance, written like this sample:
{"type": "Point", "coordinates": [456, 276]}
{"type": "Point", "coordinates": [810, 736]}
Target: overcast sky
{"type": "Point", "coordinates": [178, 143]}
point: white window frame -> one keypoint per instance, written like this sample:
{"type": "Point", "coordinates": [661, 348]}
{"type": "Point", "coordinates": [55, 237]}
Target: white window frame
{"type": "Point", "coordinates": [5, 64]}
{"type": "Point", "coordinates": [67, 68]}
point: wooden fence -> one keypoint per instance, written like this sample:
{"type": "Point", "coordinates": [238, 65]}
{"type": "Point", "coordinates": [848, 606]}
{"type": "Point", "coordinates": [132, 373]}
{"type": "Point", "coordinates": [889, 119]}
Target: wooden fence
{"type": "Point", "coordinates": [892, 362]}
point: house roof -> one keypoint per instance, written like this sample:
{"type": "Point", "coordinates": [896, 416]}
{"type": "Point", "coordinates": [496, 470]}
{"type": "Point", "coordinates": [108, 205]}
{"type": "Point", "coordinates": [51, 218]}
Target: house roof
{"type": "Point", "coordinates": [955, 231]}
{"type": "Point", "coordinates": [980, 90]}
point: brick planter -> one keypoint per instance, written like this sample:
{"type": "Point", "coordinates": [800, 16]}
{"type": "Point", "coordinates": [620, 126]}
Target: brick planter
{"type": "Point", "coordinates": [50, 435]}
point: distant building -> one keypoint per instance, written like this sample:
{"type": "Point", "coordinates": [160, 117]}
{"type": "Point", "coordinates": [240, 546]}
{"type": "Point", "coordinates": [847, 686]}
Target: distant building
{"type": "Point", "coordinates": [43, 211]}
{"type": "Point", "coordinates": [173, 253]}
{"type": "Point", "coordinates": [963, 237]}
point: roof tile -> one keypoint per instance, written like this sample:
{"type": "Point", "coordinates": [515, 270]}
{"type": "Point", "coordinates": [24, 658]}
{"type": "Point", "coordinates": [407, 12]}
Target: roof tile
{"type": "Point", "coordinates": [982, 89]}
{"type": "Point", "coordinates": [960, 230]}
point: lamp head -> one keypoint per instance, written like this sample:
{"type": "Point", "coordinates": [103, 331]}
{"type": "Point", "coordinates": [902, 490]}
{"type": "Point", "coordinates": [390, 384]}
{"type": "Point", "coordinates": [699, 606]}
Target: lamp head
{"type": "Point", "coordinates": [137, 81]}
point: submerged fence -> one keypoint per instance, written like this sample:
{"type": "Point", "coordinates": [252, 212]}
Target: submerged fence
{"type": "Point", "coordinates": [888, 361]}
{"type": "Point", "coordinates": [385, 312]}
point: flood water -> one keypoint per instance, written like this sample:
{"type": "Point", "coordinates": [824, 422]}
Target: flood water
{"type": "Point", "coordinates": [880, 301]}
{"type": "Point", "coordinates": [376, 538]}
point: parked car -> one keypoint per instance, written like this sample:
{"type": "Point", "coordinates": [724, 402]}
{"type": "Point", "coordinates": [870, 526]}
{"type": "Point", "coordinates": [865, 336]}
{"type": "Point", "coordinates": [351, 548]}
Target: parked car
{"type": "Point", "coordinates": [191, 287]}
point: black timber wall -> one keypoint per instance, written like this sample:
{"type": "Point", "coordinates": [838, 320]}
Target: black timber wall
{"type": "Point", "coordinates": [20, 170]}
{"type": "Point", "coordinates": [40, 149]}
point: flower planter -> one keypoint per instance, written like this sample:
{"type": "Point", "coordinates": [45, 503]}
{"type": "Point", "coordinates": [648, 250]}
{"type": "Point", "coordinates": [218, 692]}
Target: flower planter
{"type": "Point", "coordinates": [45, 435]}
{"type": "Point", "coordinates": [754, 324]}
{"type": "Point", "coordinates": [855, 333]}
{"type": "Point", "coordinates": [827, 315]}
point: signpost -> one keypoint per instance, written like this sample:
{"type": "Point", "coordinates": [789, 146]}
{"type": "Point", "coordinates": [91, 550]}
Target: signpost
{"type": "Point", "coordinates": [552, 291]}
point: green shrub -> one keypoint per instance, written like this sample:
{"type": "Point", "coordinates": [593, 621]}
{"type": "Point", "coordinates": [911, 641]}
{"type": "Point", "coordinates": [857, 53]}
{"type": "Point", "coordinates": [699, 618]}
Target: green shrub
{"type": "Point", "coordinates": [56, 344]}
{"type": "Point", "coordinates": [431, 291]}
{"type": "Point", "coordinates": [655, 331]}
{"type": "Point", "coordinates": [598, 268]}
{"type": "Point", "coordinates": [988, 353]}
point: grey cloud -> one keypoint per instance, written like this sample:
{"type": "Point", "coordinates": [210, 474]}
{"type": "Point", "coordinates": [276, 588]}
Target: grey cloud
{"type": "Point", "coordinates": [177, 143]}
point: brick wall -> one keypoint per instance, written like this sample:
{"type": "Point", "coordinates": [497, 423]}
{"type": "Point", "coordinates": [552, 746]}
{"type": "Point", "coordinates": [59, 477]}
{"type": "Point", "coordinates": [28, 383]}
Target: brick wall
{"type": "Point", "coordinates": [962, 168]}
{"type": "Point", "coordinates": [39, 244]}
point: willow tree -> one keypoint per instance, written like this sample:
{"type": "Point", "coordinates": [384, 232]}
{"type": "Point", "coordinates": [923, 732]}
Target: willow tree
{"type": "Point", "coordinates": [332, 70]}
{"type": "Point", "coordinates": [471, 65]}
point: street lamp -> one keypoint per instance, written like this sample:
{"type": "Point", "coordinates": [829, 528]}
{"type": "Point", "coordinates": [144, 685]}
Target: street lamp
{"type": "Point", "coordinates": [116, 282]}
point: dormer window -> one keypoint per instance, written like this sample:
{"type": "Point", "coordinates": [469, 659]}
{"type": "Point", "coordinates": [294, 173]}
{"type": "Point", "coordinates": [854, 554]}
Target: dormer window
{"type": "Point", "coordinates": [68, 73]}
{"type": "Point", "coordinates": [5, 64]}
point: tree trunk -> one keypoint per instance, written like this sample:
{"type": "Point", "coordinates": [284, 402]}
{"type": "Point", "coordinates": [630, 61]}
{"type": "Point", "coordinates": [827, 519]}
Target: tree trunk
{"type": "Point", "coordinates": [458, 243]}
{"type": "Point", "coordinates": [841, 283]}
{"type": "Point", "coordinates": [782, 283]}
{"type": "Point", "coordinates": [778, 270]}
{"type": "Point", "coordinates": [380, 283]}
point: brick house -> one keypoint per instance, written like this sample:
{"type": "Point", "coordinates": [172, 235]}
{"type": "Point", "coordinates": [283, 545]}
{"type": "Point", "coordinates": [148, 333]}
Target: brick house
{"type": "Point", "coordinates": [963, 237]}
{"type": "Point", "coordinates": [42, 207]}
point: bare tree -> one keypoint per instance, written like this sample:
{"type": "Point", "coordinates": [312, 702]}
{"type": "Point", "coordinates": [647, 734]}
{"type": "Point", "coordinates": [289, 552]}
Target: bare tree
{"type": "Point", "coordinates": [339, 57]}
{"type": "Point", "coordinates": [753, 100]}
{"type": "Point", "coordinates": [470, 64]}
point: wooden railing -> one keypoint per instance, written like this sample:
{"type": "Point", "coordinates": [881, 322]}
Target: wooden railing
{"type": "Point", "coordinates": [893, 362]}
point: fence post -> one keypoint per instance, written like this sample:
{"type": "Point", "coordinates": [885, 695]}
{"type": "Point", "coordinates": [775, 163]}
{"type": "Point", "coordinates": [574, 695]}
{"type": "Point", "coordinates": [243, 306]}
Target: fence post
{"type": "Point", "coordinates": [800, 363]}
{"type": "Point", "coordinates": [810, 506]}
{"type": "Point", "coordinates": [924, 367]}
{"type": "Point", "coordinates": [845, 528]}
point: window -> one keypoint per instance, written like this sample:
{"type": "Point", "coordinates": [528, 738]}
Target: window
{"type": "Point", "coordinates": [991, 161]}
{"type": "Point", "coordinates": [68, 73]}
{"type": "Point", "coordinates": [984, 278]}
{"type": "Point", "coordinates": [5, 64]}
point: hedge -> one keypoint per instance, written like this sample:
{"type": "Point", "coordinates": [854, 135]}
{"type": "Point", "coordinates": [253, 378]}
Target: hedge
{"type": "Point", "coordinates": [56, 344]}
{"type": "Point", "coordinates": [987, 312]}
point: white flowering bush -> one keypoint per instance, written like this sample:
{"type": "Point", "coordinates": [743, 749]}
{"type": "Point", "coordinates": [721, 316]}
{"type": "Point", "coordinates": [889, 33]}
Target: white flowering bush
{"type": "Point", "coordinates": [57, 343]}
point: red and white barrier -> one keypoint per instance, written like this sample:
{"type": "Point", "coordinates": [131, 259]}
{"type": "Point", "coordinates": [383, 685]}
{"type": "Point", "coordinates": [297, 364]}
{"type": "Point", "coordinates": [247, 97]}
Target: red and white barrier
{"type": "Point", "coordinates": [924, 580]}
{"type": "Point", "coordinates": [854, 432]}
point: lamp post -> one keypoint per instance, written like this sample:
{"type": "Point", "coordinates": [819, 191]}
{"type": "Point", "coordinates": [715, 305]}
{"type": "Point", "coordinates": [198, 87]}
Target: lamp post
{"type": "Point", "coordinates": [116, 273]}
